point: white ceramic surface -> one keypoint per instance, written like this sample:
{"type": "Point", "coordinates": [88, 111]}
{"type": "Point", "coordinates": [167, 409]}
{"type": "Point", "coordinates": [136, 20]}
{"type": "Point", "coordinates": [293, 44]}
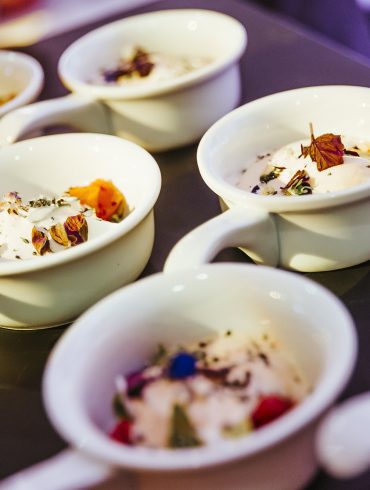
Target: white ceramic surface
{"type": "Point", "coordinates": [167, 114]}
{"type": "Point", "coordinates": [306, 233]}
{"type": "Point", "coordinates": [55, 288]}
{"type": "Point", "coordinates": [124, 330]}
{"type": "Point", "coordinates": [343, 438]}
{"type": "Point", "coordinates": [22, 75]}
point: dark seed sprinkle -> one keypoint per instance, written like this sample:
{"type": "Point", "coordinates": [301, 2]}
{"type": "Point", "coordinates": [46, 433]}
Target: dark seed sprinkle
{"type": "Point", "coordinates": [264, 358]}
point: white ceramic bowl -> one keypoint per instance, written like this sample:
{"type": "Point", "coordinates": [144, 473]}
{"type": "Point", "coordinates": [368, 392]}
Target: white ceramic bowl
{"type": "Point", "coordinates": [161, 115]}
{"type": "Point", "coordinates": [22, 75]}
{"type": "Point", "coordinates": [308, 233]}
{"type": "Point", "coordinates": [124, 330]}
{"type": "Point", "coordinates": [55, 288]}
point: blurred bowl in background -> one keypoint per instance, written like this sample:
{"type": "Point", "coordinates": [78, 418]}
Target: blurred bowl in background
{"type": "Point", "coordinates": [21, 80]}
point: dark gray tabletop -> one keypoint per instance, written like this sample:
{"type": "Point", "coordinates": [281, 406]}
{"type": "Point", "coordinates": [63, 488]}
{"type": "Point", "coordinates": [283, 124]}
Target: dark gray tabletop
{"type": "Point", "coordinates": [279, 57]}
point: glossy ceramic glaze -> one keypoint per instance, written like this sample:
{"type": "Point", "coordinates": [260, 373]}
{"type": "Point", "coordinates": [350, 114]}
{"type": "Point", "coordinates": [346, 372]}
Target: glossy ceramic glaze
{"type": "Point", "coordinates": [158, 116]}
{"type": "Point", "coordinates": [56, 288]}
{"type": "Point", "coordinates": [306, 233]}
{"type": "Point", "coordinates": [179, 307]}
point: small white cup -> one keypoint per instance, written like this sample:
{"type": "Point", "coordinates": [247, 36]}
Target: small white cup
{"type": "Point", "coordinates": [309, 233]}
{"type": "Point", "coordinates": [120, 334]}
{"type": "Point", "coordinates": [21, 75]}
{"type": "Point", "coordinates": [158, 116]}
{"type": "Point", "coordinates": [56, 288]}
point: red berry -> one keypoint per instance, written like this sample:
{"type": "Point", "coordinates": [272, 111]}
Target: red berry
{"type": "Point", "coordinates": [121, 431]}
{"type": "Point", "coordinates": [270, 408]}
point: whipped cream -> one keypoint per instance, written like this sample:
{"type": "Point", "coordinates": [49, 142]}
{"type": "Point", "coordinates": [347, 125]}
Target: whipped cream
{"type": "Point", "coordinates": [270, 173]}
{"type": "Point", "coordinates": [19, 218]}
{"type": "Point", "coordinates": [233, 373]}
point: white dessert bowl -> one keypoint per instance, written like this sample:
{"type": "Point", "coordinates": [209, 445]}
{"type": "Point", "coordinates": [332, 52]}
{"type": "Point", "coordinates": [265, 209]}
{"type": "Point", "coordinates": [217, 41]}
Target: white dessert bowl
{"type": "Point", "coordinates": [57, 287]}
{"type": "Point", "coordinates": [158, 116]}
{"type": "Point", "coordinates": [123, 331]}
{"type": "Point", "coordinates": [308, 233]}
{"type": "Point", "coordinates": [20, 75]}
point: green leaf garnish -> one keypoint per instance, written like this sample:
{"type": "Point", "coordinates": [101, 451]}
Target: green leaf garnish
{"type": "Point", "coordinates": [274, 174]}
{"type": "Point", "coordinates": [119, 408]}
{"type": "Point", "coordinates": [182, 433]}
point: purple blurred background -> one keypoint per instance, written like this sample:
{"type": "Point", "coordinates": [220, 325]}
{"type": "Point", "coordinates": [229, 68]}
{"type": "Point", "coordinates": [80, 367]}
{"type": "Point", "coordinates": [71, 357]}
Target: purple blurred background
{"type": "Point", "coordinates": [344, 21]}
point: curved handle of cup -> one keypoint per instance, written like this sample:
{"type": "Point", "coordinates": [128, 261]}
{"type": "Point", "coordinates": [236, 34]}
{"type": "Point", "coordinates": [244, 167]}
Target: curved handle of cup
{"type": "Point", "coordinates": [343, 438]}
{"type": "Point", "coordinates": [253, 228]}
{"type": "Point", "coordinates": [68, 470]}
{"type": "Point", "coordinates": [82, 113]}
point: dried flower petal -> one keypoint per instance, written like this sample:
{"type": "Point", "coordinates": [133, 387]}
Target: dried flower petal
{"type": "Point", "coordinates": [139, 65]}
{"type": "Point", "coordinates": [326, 150]}
{"type": "Point", "coordinates": [102, 195]}
{"type": "Point", "coordinates": [298, 185]}
{"type": "Point", "coordinates": [40, 241]}
{"type": "Point", "coordinates": [76, 229]}
{"type": "Point", "coordinates": [59, 235]}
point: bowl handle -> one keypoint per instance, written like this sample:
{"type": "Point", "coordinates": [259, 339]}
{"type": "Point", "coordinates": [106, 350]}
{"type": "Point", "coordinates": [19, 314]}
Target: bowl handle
{"type": "Point", "coordinates": [67, 470]}
{"type": "Point", "coordinates": [252, 228]}
{"type": "Point", "coordinates": [343, 438]}
{"type": "Point", "coordinates": [72, 110]}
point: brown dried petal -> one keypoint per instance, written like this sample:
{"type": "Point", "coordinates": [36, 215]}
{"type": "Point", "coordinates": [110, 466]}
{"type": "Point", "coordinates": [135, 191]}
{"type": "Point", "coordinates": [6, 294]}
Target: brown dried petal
{"type": "Point", "coordinates": [40, 241]}
{"type": "Point", "coordinates": [326, 150]}
{"type": "Point", "coordinates": [76, 229]}
{"type": "Point", "coordinates": [59, 235]}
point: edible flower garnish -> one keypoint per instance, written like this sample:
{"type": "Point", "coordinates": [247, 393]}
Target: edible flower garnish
{"type": "Point", "coordinates": [102, 195]}
{"type": "Point", "coordinates": [76, 229]}
{"type": "Point", "coordinates": [298, 184]}
{"type": "Point", "coordinates": [210, 390]}
{"type": "Point", "coordinates": [40, 241]}
{"type": "Point", "coordinates": [270, 408]}
{"type": "Point", "coordinates": [182, 365]}
{"type": "Point", "coordinates": [326, 150]}
{"type": "Point", "coordinates": [139, 65]}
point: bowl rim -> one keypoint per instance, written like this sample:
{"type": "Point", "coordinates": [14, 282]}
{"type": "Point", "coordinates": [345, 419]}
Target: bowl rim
{"type": "Point", "coordinates": [331, 383]}
{"type": "Point", "coordinates": [122, 228]}
{"type": "Point", "coordinates": [232, 194]}
{"type": "Point", "coordinates": [161, 87]}
{"type": "Point", "coordinates": [35, 84]}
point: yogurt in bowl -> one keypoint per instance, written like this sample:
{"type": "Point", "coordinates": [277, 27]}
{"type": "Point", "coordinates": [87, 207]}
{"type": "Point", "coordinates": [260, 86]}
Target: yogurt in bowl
{"type": "Point", "coordinates": [56, 287]}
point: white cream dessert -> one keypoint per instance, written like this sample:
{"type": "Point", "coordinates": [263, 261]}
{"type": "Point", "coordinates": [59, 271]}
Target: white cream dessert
{"type": "Point", "coordinates": [140, 67]}
{"type": "Point", "coordinates": [199, 395]}
{"type": "Point", "coordinates": [271, 173]}
{"type": "Point", "coordinates": [45, 225]}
